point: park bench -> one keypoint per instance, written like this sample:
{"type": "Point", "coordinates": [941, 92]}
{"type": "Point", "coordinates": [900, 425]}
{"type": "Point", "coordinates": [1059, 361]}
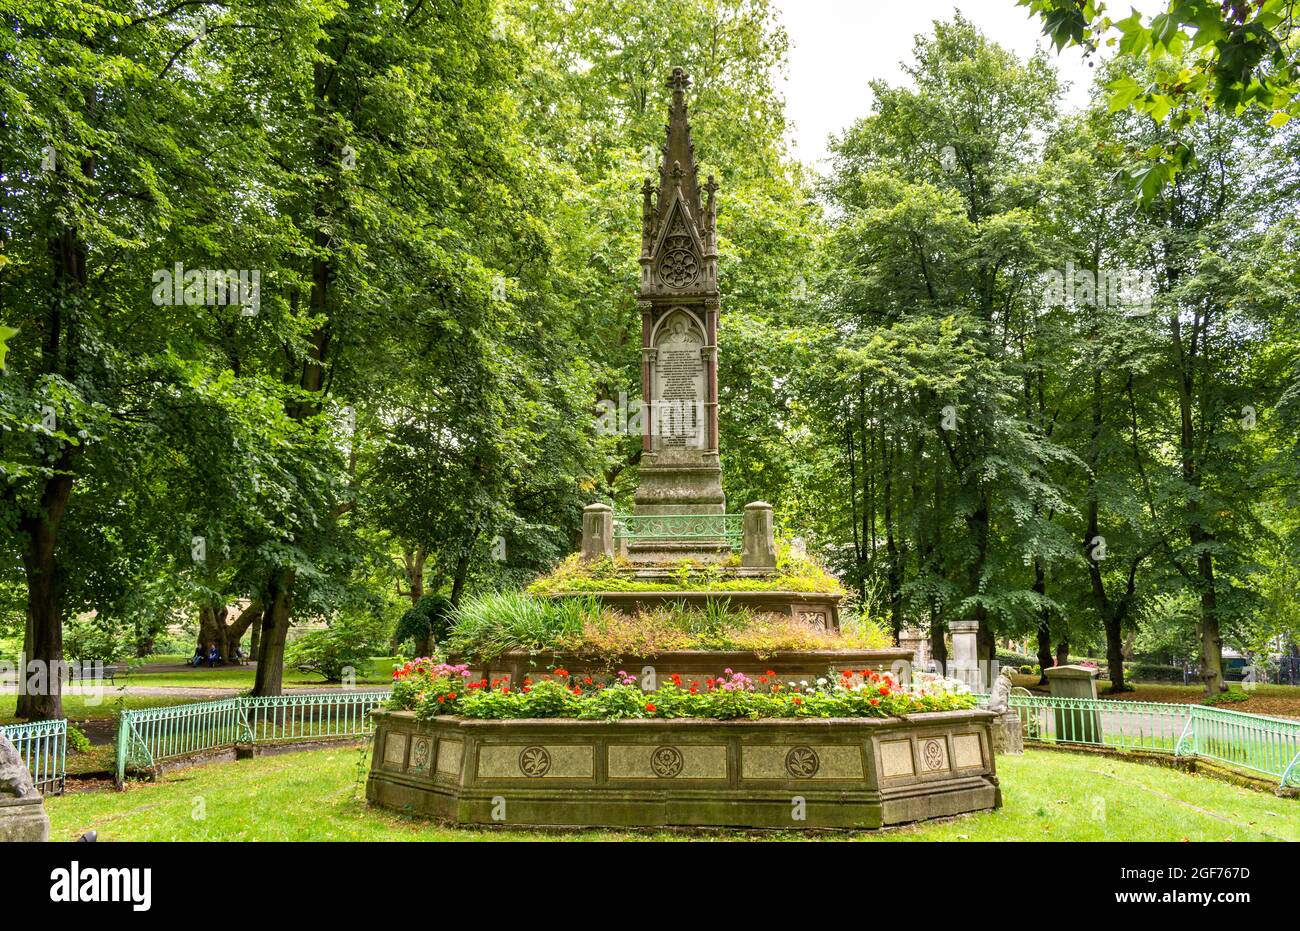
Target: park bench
{"type": "Point", "coordinates": [108, 674]}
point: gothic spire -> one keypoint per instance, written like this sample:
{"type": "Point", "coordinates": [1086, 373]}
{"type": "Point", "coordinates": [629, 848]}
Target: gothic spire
{"type": "Point", "coordinates": [678, 151]}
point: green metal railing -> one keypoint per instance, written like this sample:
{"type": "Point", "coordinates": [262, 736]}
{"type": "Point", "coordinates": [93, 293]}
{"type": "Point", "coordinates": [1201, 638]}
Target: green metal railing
{"type": "Point", "coordinates": [43, 746]}
{"type": "Point", "coordinates": [636, 528]}
{"type": "Point", "coordinates": [149, 736]}
{"type": "Point", "coordinates": [1268, 746]}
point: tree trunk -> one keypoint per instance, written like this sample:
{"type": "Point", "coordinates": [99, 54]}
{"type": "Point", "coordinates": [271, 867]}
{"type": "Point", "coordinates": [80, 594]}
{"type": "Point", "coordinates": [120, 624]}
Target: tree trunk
{"type": "Point", "coordinates": [1044, 624]}
{"type": "Point", "coordinates": [43, 640]}
{"type": "Point", "coordinates": [1063, 652]}
{"type": "Point", "coordinates": [275, 632]}
{"type": "Point", "coordinates": [938, 646]}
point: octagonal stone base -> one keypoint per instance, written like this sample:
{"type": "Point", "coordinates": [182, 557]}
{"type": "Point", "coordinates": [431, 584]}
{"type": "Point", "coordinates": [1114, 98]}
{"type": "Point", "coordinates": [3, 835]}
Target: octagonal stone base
{"type": "Point", "coordinates": [791, 774]}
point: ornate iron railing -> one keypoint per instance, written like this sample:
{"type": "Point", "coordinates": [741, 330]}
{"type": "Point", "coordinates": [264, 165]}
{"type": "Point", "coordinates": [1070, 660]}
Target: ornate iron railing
{"type": "Point", "coordinates": [689, 527]}
{"type": "Point", "coordinates": [1268, 746]}
{"type": "Point", "coordinates": [43, 746]}
{"type": "Point", "coordinates": [149, 736]}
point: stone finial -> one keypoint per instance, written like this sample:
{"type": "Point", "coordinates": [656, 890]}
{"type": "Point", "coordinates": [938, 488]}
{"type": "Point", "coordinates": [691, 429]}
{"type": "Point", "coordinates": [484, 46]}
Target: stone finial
{"type": "Point", "coordinates": [758, 540]}
{"type": "Point", "coordinates": [597, 531]}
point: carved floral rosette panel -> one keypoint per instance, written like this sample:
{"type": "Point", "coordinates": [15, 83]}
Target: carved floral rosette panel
{"type": "Point", "coordinates": [679, 266]}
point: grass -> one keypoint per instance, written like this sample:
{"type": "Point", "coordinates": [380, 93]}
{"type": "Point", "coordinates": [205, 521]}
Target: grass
{"type": "Point", "coordinates": [319, 795]}
{"type": "Point", "coordinates": [225, 677]}
{"type": "Point", "coordinates": [82, 707]}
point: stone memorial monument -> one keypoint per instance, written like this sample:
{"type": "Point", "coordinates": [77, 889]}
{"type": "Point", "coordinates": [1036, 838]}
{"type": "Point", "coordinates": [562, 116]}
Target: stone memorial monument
{"type": "Point", "coordinates": [680, 471]}
{"type": "Point", "coordinates": [22, 809]}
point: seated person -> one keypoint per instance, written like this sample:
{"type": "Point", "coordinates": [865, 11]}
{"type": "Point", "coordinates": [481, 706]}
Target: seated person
{"type": "Point", "coordinates": [214, 656]}
{"type": "Point", "coordinates": [197, 659]}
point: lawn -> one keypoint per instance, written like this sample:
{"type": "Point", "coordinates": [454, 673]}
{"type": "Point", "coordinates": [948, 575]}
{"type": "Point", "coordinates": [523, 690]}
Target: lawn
{"type": "Point", "coordinates": [319, 795]}
{"type": "Point", "coordinates": [80, 708]}
{"type": "Point", "coordinates": [241, 677]}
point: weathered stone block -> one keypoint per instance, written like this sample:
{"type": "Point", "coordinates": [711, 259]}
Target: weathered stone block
{"type": "Point", "coordinates": [786, 774]}
{"type": "Point", "coordinates": [597, 531]}
{"type": "Point", "coordinates": [758, 540]}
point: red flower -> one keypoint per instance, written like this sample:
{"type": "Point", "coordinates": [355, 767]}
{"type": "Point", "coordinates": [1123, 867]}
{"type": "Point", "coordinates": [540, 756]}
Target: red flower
{"type": "Point", "coordinates": [561, 672]}
{"type": "Point", "coordinates": [798, 700]}
{"type": "Point", "coordinates": [884, 690]}
{"type": "Point", "coordinates": [451, 696]}
{"type": "Point", "coordinates": [875, 701]}
{"type": "Point", "coordinates": [577, 690]}
{"type": "Point", "coordinates": [650, 707]}
{"type": "Point", "coordinates": [587, 680]}
{"type": "Point", "coordinates": [846, 673]}
{"type": "Point", "coordinates": [771, 673]}
{"type": "Point", "coordinates": [694, 690]}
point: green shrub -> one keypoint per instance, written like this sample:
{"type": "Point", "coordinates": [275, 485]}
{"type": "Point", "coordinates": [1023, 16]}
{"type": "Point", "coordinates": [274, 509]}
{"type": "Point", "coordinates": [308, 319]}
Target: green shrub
{"type": "Point", "coordinates": [78, 740]}
{"type": "Point", "coordinates": [348, 643]}
{"type": "Point", "coordinates": [429, 621]}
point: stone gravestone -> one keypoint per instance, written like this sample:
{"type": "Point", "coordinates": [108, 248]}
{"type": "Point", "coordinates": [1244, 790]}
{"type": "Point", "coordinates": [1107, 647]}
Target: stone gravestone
{"type": "Point", "coordinates": [1075, 725]}
{"type": "Point", "coordinates": [22, 809]}
{"type": "Point", "coordinates": [964, 664]}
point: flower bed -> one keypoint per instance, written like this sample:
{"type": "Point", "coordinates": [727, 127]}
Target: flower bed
{"type": "Point", "coordinates": [431, 689]}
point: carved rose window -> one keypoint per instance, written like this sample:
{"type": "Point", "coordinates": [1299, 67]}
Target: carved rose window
{"type": "Point", "coordinates": [678, 268]}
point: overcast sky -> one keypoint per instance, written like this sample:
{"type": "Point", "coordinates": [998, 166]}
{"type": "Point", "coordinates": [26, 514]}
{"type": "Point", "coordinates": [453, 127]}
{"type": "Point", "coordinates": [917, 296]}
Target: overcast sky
{"type": "Point", "coordinates": [837, 46]}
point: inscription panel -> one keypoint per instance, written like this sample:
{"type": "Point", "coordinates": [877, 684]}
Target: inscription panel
{"type": "Point", "coordinates": [395, 750]}
{"type": "Point", "coordinates": [450, 753]}
{"type": "Point", "coordinates": [679, 382]}
{"type": "Point", "coordinates": [966, 751]}
{"type": "Point", "coordinates": [896, 759]}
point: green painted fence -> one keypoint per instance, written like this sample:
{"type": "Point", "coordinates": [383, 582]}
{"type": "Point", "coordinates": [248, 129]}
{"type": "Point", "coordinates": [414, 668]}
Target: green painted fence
{"type": "Point", "coordinates": [634, 528]}
{"type": "Point", "coordinates": [1263, 745]}
{"type": "Point", "coordinates": [150, 736]}
{"type": "Point", "coordinates": [43, 746]}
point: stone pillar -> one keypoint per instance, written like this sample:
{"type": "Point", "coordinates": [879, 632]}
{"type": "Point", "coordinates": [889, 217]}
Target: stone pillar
{"type": "Point", "coordinates": [758, 550]}
{"type": "Point", "coordinates": [918, 641]}
{"type": "Point", "coordinates": [1073, 724]}
{"type": "Point", "coordinates": [964, 664]}
{"type": "Point", "coordinates": [597, 531]}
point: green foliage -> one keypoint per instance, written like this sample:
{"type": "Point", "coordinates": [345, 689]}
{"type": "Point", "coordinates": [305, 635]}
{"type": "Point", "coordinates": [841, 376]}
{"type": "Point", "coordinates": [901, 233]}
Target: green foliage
{"type": "Point", "coordinates": [487, 625]}
{"type": "Point", "coordinates": [78, 740]}
{"type": "Point", "coordinates": [575, 575]}
{"type": "Point", "coordinates": [344, 647]}
{"type": "Point", "coordinates": [429, 619]}
{"type": "Point", "coordinates": [1196, 57]}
